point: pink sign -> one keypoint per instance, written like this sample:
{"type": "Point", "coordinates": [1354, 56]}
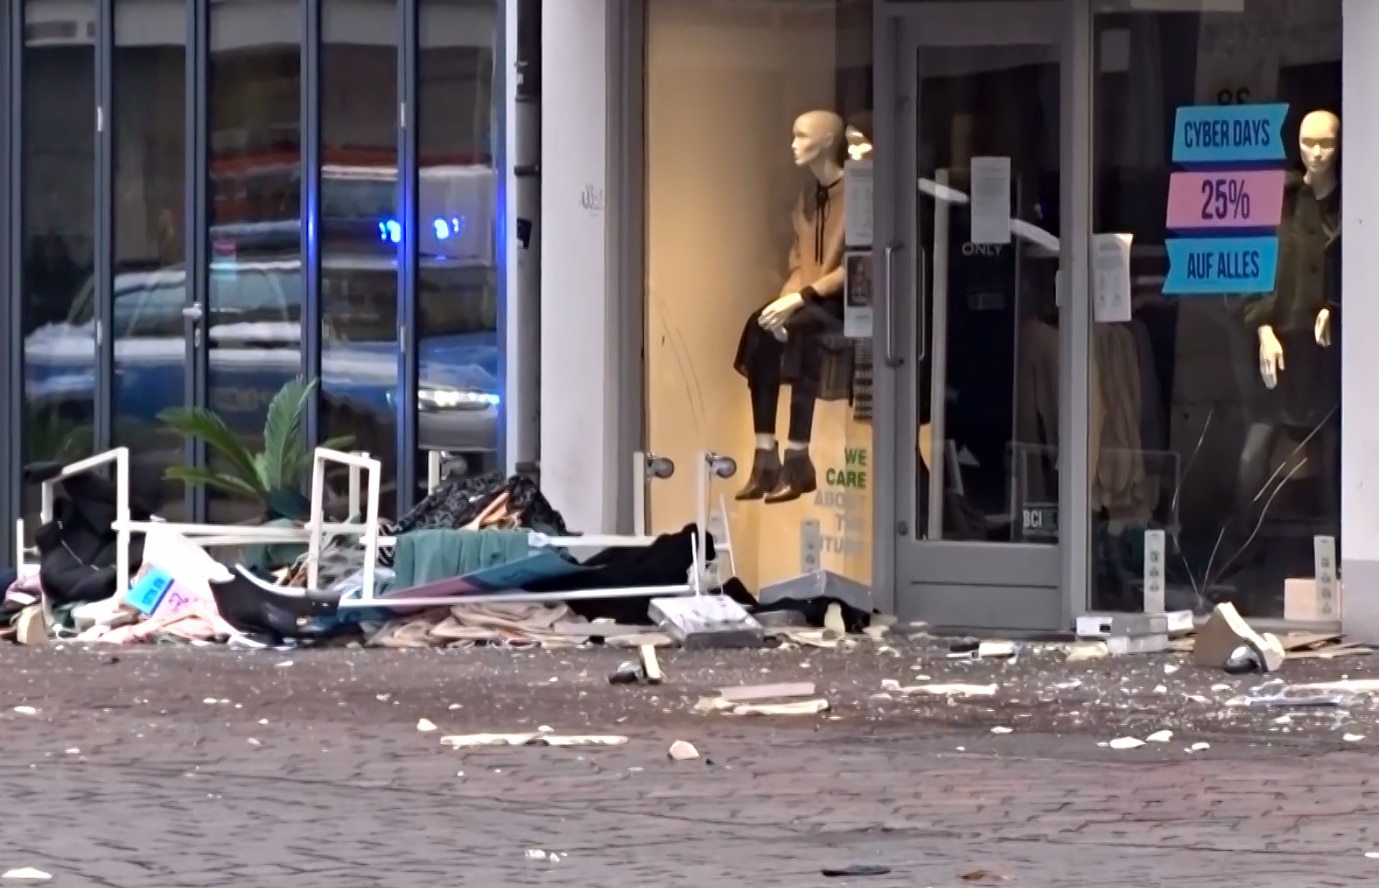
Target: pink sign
{"type": "Point", "coordinates": [1225, 199]}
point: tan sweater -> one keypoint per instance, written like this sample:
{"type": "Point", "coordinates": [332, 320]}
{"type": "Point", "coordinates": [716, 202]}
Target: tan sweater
{"type": "Point", "coordinates": [816, 253]}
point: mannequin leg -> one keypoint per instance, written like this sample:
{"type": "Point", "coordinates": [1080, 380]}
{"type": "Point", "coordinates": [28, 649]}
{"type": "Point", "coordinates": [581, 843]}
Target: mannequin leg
{"type": "Point", "coordinates": [763, 370]}
{"type": "Point", "coordinates": [1252, 478]}
{"type": "Point", "coordinates": [797, 473]}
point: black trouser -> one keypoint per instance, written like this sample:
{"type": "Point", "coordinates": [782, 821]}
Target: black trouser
{"type": "Point", "coordinates": [764, 382]}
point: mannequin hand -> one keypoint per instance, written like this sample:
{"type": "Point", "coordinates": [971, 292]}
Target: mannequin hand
{"type": "Point", "coordinates": [774, 316]}
{"type": "Point", "coordinates": [1270, 357]}
{"type": "Point", "coordinates": [1322, 328]}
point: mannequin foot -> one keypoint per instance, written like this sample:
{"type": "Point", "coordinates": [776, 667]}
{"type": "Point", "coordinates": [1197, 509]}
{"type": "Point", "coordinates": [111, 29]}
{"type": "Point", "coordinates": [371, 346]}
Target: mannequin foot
{"type": "Point", "coordinates": [765, 475]}
{"type": "Point", "coordinates": [796, 478]}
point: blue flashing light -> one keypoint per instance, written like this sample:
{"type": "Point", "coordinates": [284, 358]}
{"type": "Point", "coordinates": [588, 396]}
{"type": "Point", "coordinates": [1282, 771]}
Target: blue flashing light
{"type": "Point", "coordinates": [444, 228]}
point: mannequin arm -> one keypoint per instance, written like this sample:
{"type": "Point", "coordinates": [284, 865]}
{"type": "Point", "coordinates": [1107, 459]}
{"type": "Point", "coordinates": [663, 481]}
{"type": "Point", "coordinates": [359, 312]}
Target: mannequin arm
{"type": "Point", "coordinates": [792, 275]}
{"type": "Point", "coordinates": [825, 287]}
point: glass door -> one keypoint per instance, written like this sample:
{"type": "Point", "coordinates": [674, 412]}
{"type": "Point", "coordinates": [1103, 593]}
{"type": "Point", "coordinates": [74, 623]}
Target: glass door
{"type": "Point", "coordinates": [975, 326]}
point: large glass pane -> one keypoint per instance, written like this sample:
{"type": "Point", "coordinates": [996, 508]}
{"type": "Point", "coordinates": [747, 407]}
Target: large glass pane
{"type": "Point", "coordinates": [750, 110]}
{"type": "Point", "coordinates": [987, 387]}
{"type": "Point", "coordinates": [457, 297]}
{"type": "Point", "coordinates": [57, 190]}
{"type": "Point", "coordinates": [254, 297]}
{"type": "Point", "coordinates": [1216, 397]}
{"type": "Point", "coordinates": [148, 131]}
{"type": "Point", "coordinates": [360, 230]}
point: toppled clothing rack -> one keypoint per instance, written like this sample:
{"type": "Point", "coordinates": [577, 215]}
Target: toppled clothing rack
{"type": "Point", "coordinates": [365, 472]}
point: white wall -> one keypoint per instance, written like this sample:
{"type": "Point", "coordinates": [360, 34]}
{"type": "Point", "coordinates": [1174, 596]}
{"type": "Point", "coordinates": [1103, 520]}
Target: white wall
{"type": "Point", "coordinates": [1360, 327]}
{"type": "Point", "coordinates": [579, 345]}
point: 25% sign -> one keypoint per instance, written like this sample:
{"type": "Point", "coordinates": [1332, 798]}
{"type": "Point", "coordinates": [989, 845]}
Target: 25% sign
{"type": "Point", "coordinates": [1225, 198]}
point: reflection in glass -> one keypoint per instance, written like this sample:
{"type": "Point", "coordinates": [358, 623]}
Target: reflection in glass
{"type": "Point", "coordinates": [359, 230]}
{"type": "Point", "coordinates": [148, 129]}
{"type": "Point", "coordinates": [57, 191]}
{"type": "Point", "coordinates": [457, 307]}
{"type": "Point", "coordinates": [254, 193]}
{"type": "Point", "coordinates": [1231, 424]}
{"type": "Point", "coordinates": [987, 389]}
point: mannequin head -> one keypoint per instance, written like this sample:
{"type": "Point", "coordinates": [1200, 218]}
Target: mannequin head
{"type": "Point", "coordinates": [1319, 144]}
{"type": "Point", "coordinates": [818, 144]}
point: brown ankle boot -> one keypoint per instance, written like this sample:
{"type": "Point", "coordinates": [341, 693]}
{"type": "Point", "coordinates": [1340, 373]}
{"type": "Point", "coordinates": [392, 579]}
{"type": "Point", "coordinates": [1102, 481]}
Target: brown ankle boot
{"type": "Point", "coordinates": [764, 478]}
{"type": "Point", "coordinates": [796, 478]}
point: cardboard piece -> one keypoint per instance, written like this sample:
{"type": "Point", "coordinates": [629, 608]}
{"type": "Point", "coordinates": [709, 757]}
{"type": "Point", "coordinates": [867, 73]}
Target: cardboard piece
{"type": "Point", "coordinates": [1225, 631]}
{"type": "Point", "coordinates": [757, 693]}
{"type": "Point", "coordinates": [1308, 601]}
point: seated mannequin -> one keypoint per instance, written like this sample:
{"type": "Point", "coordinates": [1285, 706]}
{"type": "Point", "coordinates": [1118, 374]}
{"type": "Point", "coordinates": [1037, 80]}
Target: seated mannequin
{"type": "Point", "coordinates": [783, 342]}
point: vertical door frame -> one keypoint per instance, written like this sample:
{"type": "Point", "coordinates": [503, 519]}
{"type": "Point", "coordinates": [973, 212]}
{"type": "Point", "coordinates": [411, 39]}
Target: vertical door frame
{"type": "Point", "coordinates": [196, 224]}
{"type": "Point", "coordinates": [103, 239]}
{"type": "Point", "coordinates": [309, 231]}
{"type": "Point", "coordinates": [890, 523]}
{"type": "Point", "coordinates": [406, 402]}
{"type": "Point", "coordinates": [11, 262]}
{"type": "Point", "coordinates": [1075, 313]}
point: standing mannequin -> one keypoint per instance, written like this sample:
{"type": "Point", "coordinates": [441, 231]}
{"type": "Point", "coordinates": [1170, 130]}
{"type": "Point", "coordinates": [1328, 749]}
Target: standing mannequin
{"type": "Point", "coordinates": [781, 342]}
{"type": "Point", "coordinates": [1294, 325]}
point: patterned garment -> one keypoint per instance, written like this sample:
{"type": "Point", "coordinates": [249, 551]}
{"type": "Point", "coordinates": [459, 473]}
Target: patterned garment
{"type": "Point", "coordinates": [459, 503]}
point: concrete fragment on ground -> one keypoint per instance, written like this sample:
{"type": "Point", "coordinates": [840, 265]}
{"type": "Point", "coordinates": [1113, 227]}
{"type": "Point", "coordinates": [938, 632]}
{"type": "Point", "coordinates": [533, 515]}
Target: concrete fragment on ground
{"type": "Point", "coordinates": [682, 751]}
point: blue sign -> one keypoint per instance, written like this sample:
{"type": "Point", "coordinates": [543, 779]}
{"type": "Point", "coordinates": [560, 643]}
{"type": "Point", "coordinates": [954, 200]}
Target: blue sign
{"type": "Point", "coordinates": [1200, 266]}
{"type": "Point", "coordinates": [1229, 133]}
{"type": "Point", "coordinates": [390, 230]}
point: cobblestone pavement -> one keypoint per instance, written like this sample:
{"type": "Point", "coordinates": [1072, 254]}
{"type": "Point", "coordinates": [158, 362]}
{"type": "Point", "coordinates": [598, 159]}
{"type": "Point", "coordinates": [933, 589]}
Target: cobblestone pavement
{"type": "Point", "coordinates": [314, 774]}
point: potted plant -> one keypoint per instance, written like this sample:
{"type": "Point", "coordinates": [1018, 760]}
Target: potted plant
{"type": "Point", "coordinates": [272, 477]}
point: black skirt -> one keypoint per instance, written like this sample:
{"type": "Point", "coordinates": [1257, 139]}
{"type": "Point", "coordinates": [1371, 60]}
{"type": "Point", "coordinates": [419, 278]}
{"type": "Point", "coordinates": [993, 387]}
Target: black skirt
{"type": "Point", "coordinates": [817, 325]}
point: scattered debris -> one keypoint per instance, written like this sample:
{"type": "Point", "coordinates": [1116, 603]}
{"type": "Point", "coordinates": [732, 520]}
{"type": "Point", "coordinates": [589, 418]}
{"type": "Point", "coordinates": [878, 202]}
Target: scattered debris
{"type": "Point", "coordinates": [793, 707]}
{"type": "Point", "coordinates": [25, 710]}
{"type": "Point", "coordinates": [753, 693]}
{"type": "Point", "coordinates": [538, 854]}
{"type": "Point", "coordinates": [27, 874]}
{"type": "Point", "coordinates": [999, 729]}
{"type": "Point", "coordinates": [856, 869]}
{"type": "Point", "coordinates": [31, 626]}
{"type": "Point", "coordinates": [706, 621]}
{"type": "Point", "coordinates": [425, 725]}
{"type": "Point", "coordinates": [1159, 737]}
{"type": "Point", "coordinates": [1125, 743]}
{"type": "Point", "coordinates": [1087, 650]}
{"type": "Point", "coordinates": [1219, 641]}
{"type": "Point", "coordinates": [1353, 738]}
{"type": "Point", "coordinates": [682, 751]}
{"type": "Point", "coordinates": [651, 666]}
{"type": "Point", "coordinates": [470, 741]}
{"type": "Point", "coordinates": [626, 673]}
{"type": "Point", "coordinates": [1199, 747]}
{"type": "Point", "coordinates": [983, 875]}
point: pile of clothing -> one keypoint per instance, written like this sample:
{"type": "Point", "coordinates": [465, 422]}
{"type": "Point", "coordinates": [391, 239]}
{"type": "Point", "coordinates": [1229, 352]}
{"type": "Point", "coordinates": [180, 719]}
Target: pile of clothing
{"type": "Point", "coordinates": [469, 538]}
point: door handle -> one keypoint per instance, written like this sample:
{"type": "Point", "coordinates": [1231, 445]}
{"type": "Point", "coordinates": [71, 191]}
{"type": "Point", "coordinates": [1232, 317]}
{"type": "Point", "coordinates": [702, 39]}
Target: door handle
{"type": "Point", "coordinates": [921, 304]}
{"type": "Point", "coordinates": [193, 312]}
{"type": "Point", "coordinates": [891, 352]}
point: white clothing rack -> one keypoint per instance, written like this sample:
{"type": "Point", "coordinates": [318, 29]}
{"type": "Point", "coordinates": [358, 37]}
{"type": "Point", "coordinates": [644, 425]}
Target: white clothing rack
{"type": "Point", "coordinates": [317, 527]}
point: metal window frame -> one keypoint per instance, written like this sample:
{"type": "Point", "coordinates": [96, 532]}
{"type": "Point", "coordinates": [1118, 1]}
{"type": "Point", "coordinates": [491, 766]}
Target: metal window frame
{"type": "Point", "coordinates": [405, 404]}
{"type": "Point", "coordinates": [196, 222]}
{"type": "Point", "coordinates": [11, 215]}
{"type": "Point", "coordinates": [103, 240]}
{"type": "Point", "coordinates": [310, 248]}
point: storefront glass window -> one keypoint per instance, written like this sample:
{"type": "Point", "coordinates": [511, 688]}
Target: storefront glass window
{"type": "Point", "coordinates": [751, 109]}
{"type": "Point", "coordinates": [359, 293]}
{"type": "Point", "coordinates": [457, 273]}
{"type": "Point", "coordinates": [57, 191]}
{"type": "Point", "coordinates": [148, 216]}
{"type": "Point", "coordinates": [1215, 393]}
{"type": "Point", "coordinates": [254, 279]}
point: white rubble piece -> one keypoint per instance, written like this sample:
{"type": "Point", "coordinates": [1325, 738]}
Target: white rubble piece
{"type": "Point", "coordinates": [1123, 645]}
{"type": "Point", "coordinates": [707, 621]}
{"type": "Point", "coordinates": [1225, 632]}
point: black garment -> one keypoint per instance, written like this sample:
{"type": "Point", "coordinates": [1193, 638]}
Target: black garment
{"type": "Point", "coordinates": [1308, 280]}
{"type": "Point", "coordinates": [455, 504]}
{"type": "Point", "coordinates": [77, 549]}
{"type": "Point", "coordinates": [665, 562]}
{"type": "Point", "coordinates": [810, 360]}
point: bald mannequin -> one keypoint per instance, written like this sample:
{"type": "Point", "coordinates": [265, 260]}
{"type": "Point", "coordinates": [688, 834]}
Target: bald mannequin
{"type": "Point", "coordinates": [783, 343]}
{"type": "Point", "coordinates": [1319, 138]}
{"type": "Point", "coordinates": [818, 137]}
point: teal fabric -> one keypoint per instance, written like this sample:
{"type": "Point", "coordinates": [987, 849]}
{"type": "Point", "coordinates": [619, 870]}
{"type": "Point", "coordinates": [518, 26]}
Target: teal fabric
{"type": "Point", "coordinates": [424, 556]}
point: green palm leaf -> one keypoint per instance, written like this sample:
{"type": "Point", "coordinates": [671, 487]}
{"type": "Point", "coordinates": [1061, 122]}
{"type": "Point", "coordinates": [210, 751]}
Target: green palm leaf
{"type": "Point", "coordinates": [282, 434]}
{"type": "Point", "coordinates": [203, 477]}
{"type": "Point", "coordinates": [210, 428]}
